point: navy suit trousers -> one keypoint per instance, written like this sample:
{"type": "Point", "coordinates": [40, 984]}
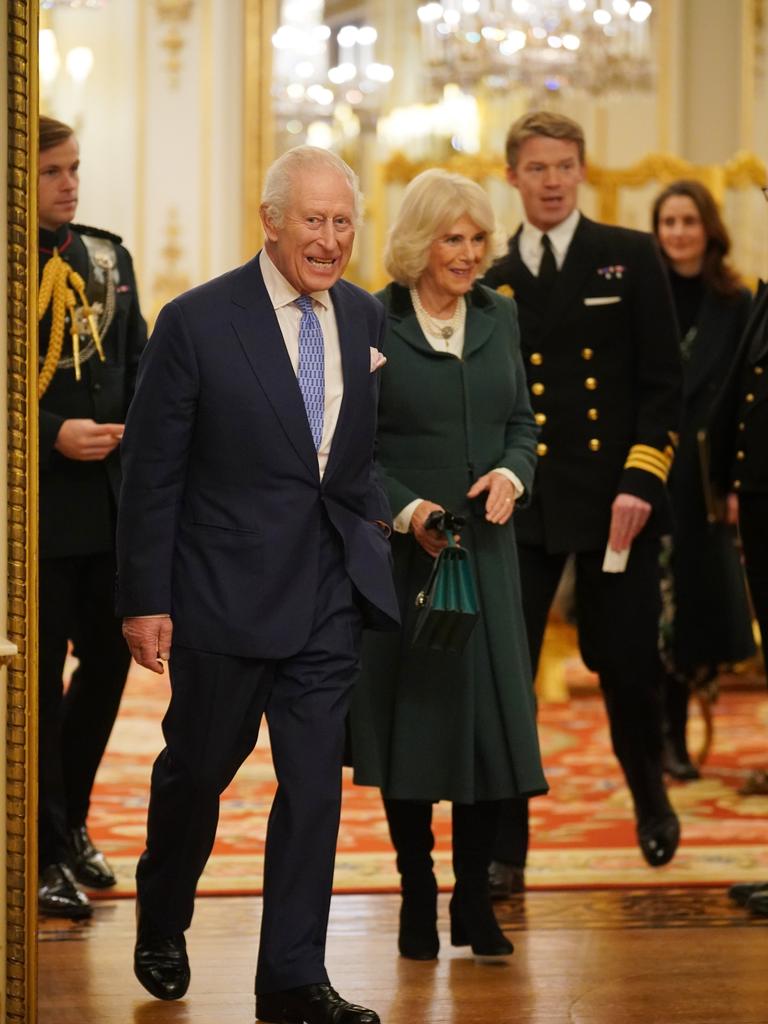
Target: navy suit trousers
{"type": "Point", "coordinates": [210, 728]}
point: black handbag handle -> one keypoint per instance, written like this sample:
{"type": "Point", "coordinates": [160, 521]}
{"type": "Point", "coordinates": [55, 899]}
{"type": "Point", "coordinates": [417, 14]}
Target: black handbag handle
{"type": "Point", "coordinates": [421, 597]}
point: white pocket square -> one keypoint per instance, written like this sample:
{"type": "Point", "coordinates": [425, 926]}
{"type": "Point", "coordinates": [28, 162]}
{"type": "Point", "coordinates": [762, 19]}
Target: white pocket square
{"type": "Point", "coordinates": [377, 359]}
{"type": "Point", "coordinates": [602, 300]}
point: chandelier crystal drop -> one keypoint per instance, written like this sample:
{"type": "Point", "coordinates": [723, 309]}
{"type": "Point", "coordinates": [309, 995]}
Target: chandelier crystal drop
{"type": "Point", "coordinates": [591, 46]}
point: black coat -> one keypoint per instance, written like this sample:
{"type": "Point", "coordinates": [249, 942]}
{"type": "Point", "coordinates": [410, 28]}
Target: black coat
{"type": "Point", "coordinates": [603, 365]}
{"type": "Point", "coordinates": [78, 499]}
{"type": "Point", "coordinates": [738, 431]}
{"type": "Point", "coordinates": [712, 623]}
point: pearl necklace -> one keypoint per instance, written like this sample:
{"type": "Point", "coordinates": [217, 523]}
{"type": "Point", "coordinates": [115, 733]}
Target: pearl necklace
{"type": "Point", "coordinates": [433, 325]}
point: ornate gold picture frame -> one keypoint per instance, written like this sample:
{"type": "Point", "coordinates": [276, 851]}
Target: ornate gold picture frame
{"type": "Point", "coordinates": [21, 289]}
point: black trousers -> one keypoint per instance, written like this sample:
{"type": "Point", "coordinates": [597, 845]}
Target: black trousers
{"type": "Point", "coordinates": [211, 726]}
{"type": "Point", "coordinates": [618, 621]}
{"type": "Point", "coordinates": [753, 526]}
{"type": "Point", "coordinates": [76, 599]}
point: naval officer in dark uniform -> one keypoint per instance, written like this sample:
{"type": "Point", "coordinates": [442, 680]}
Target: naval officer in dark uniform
{"type": "Point", "coordinates": [739, 453]}
{"type": "Point", "coordinates": [91, 335]}
{"type": "Point", "coordinates": [600, 347]}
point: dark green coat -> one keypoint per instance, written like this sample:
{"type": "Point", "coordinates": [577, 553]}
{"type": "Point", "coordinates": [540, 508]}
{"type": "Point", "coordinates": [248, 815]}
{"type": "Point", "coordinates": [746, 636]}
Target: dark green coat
{"type": "Point", "coordinates": [426, 725]}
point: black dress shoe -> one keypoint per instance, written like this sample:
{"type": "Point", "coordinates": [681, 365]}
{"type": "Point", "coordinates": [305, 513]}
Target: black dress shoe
{"type": "Point", "coordinates": [58, 896]}
{"type": "Point", "coordinates": [311, 1004]}
{"type": "Point", "coordinates": [160, 962]}
{"type": "Point", "coordinates": [658, 838]}
{"type": "Point", "coordinates": [89, 865]}
{"type": "Point", "coordinates": [505, 880]}
{"type": "Point", "coordinates": [742, 891]}
{"type": "Point", "coordinates": [758, 903]}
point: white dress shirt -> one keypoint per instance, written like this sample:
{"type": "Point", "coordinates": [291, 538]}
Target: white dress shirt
{"type": "Point", "coordinates": [454, 346]}
{"type": "Point", "coordinates": [283, 297]}
{"type": "Point", "coordinates": [560, 237]}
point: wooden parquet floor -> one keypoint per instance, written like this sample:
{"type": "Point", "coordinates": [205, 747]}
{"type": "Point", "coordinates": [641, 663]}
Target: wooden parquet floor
{"type": "Point", "coordinates": [588, 957]}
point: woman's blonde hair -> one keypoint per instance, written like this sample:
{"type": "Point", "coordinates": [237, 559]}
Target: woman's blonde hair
{"type": "Point", "coordinates": [432, 202]}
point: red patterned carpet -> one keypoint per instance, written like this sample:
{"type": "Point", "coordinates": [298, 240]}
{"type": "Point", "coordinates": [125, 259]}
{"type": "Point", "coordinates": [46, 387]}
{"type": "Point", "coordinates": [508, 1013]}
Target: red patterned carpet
{"type": "Point", "coordinates": [583, 834]}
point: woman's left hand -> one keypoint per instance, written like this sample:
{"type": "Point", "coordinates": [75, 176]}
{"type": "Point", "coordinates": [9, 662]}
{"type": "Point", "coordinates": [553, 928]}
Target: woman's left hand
{"type": "Point", "coordinates": [501, 496]}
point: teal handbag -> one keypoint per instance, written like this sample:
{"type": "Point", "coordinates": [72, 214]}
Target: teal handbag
{"type": "Point", "coordinates": [447, 606]}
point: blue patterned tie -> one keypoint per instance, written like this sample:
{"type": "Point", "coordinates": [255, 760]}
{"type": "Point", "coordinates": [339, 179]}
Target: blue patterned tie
{"type": "Point", "coordinates": [311, 373]}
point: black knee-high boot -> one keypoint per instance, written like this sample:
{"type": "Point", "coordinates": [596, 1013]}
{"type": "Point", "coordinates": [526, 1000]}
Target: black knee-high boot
{"type": "Point", "coordinates": [677, 760]}
{"type": "Point", "coordinates": [473, 922]}
{"type": "Point", "coordinates": [410, 826]}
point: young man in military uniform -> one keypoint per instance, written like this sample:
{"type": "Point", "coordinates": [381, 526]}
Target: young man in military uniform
{"type": "Point", "coordinates": [600, 347]}
{"type": "Point", "coordinates": [739, 452]}
{"type": "Point", "coordinates": [91, 335]}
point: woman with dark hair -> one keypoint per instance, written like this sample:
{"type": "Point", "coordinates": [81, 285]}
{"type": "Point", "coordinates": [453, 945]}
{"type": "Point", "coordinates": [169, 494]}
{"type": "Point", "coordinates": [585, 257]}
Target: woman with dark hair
{"type": "Point", "coordinates": [706, 621]}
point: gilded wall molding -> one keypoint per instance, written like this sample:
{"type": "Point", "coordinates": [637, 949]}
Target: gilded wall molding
{"type": "Point", "coordinates": [400, 169]}
{"type": "Point", "coordinates": [171, 279]}
{"type": "Point", "coordinates": [21, 749]}
{"type": "Point", "coordinates": [173, 14]}
{"type": "Point", "coordinates": [259, 24]}
{"type": "Point", "coordinates": [744, 170]}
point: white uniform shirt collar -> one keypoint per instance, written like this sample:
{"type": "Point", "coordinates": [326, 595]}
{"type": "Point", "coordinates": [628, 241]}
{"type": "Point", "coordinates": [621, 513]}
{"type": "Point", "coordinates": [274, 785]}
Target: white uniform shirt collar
{"type": "Point", "coordinates": [560, 236]}
{"type": "Point", "coordinates": [281, 292]}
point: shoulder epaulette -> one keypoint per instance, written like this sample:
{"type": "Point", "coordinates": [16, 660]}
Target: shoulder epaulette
{"type": "Point", "coordinates": [84, 229]}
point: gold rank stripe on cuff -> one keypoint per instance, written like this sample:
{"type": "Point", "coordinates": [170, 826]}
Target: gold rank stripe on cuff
{"type": "Point", "coordinates": [652, 460]}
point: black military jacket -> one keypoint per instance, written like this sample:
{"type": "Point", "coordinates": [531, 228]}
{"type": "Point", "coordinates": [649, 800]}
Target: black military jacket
{"type": "Point", "coordinates": [602, 358]}
{"type": "Point", "coordinates": [738, 431]}
{"type": "Point", "coordinates": [78, 499]}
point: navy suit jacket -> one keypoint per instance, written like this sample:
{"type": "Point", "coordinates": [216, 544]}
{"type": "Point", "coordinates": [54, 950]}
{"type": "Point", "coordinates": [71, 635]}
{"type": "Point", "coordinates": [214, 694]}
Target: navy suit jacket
{"type": "Point", "coordinates": [221, 505]}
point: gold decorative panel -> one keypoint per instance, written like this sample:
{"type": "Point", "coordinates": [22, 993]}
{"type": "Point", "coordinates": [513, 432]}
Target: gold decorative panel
{"type": "Point", "coordinates": [21, 750]}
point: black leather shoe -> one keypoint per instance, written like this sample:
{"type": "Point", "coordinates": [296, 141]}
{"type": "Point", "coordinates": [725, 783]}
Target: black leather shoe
{"type": "Point", "coordinates": [58, 896]}
{"type": "Point", "coordinates": [160, 962]}
{"type": "Point", "coordinates": [311, 1004]}
{"type": "Point", "coordinates": [742, 891]}
{"type": "Point", "coordinates": [658, 838]}
{"type": "Point", "coordinates": [505, 880]}
{"type": "Point", "coordinates": [89, 865]}
{"type": "Point", "coordinates": [758, 903]}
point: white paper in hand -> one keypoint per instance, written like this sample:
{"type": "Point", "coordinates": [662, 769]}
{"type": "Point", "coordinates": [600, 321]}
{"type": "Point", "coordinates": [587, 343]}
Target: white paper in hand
{"type": "Point", "coordinates": [615, 561]}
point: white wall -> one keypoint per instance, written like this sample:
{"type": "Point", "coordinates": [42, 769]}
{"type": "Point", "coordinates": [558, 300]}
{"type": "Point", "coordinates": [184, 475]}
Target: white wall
{"type": "Point", "coordinates": [161, 152]}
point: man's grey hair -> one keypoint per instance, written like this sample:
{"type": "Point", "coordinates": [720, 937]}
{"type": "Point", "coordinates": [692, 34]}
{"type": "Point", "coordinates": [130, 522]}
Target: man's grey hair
{"type": "Point", "coordinates": [276, 195]}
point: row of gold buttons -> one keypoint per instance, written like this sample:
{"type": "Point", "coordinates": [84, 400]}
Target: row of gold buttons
{"type": "Point", "coordinates": [537, 359]}
{"type": "Point", "coordinates": [541, 417]}
{"type": "Point", "coordinates": [594, 445]}
{"type": "Point", "coordinates": [590, 383]}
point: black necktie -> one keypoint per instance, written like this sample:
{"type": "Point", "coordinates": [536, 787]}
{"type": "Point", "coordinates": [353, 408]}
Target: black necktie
{"type": "Point", "coordinates": [548, 266]}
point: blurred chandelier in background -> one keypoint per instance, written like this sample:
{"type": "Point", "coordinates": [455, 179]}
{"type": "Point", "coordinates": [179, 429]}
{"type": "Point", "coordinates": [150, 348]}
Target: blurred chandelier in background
{"type": "Point", "coordinates": [592, 46]}
{"type": "Point", "coordinates": [46, 5]}
{"type": "Point", "coordinates": [323, 73]}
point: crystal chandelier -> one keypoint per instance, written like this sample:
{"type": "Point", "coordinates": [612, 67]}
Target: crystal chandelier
{"type": "Point", "coordinates": [320, 70]}
{"type": "Point", "coordinates": [46, 5]}
{"type": "Point", "coordinates": [593, 46]}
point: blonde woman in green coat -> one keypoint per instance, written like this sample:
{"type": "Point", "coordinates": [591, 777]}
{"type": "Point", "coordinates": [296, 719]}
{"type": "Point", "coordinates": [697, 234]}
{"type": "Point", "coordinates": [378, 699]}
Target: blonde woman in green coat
{"type": "Point", "coordinates": [456, 432]}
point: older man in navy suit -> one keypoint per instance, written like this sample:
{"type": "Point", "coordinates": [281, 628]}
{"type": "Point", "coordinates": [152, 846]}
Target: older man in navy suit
{"type": "Point", "coordinates": [253, 547]}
